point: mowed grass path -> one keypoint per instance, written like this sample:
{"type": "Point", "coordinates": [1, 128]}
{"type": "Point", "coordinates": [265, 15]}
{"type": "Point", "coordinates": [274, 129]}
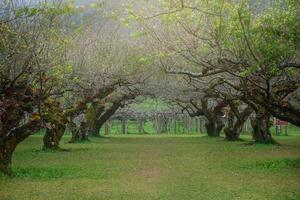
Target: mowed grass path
{"type": "Point", "coordinates": [155, 167]}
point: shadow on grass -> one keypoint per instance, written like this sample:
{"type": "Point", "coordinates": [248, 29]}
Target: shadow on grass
{"type": "Point", "coordinates": [52, 150]}
{"type": "Point", "coordinates": [98, 136]}
{"type": "Point", "coordinates": [60, 150]}
{"type": "Point", "coordinates": [275, 164]}
{"type": "Point", "coordinates": [267, 143]}
{"type": "Point", "coordinates": [40, 173]}
{"type": "Point", "coordinates": [212, 138]}
{"type": "Point", "coordinates": [52, 173]}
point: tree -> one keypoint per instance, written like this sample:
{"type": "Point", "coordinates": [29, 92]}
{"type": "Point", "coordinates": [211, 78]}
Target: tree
{"type": "Point", "coordinates": [27, 57]}
{"type": "Point", "coordinates": [257, 55]}
{"type": "Point", "coordinates": [212, 110]}
{"type": "Point", "coordinates": [237, 116]}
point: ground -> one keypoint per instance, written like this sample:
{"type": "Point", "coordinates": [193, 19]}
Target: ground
{"type": "Point", "coordinates": [155, 167]}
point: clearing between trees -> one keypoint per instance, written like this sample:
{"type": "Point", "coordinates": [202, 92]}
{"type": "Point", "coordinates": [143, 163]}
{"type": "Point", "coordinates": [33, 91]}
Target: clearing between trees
{"type": "Point", "coordinates": [155, 167]}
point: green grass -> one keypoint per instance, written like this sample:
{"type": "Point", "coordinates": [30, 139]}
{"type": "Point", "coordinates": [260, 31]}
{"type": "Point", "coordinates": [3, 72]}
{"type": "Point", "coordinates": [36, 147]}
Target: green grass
{"type": "Point", "coordinates": [155, 167]}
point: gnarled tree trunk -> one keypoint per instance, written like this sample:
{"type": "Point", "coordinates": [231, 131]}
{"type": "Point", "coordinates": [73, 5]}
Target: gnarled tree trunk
{"type": "Point", "coordinates": [261, 127]}
{"type": "Point", "coordinates": [53, 136]}
{"type": "Point", "coordinates": [6, 150]}
{"type": "Point", "coordinates": [214, 126]}
{"type": "Point", "coordinates": [91, 121]}
{"type": "Point", "coordinates": [95, 129]}
{"type": "Point", "coordinates": [79, 134]}
{"type": "Point", "coordinates": [16, 99]}
{"type": "Point", "coordinates": [55, 122]}
{"type": "Point", "coordinates": [233, 130]}
{"type": "Point", "coordinates": [106, 115]}
{"type": "Point", "coordinates": [236, 120]}
{"type": "Point", "coordinates": [73, 129]}
{"type": "Point", "coordinates": [11, 138]}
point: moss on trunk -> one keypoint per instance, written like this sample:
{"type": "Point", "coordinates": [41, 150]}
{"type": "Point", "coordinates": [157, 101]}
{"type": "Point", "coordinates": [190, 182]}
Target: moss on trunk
{"type": "Point", "coordinates": [53, 137]}
{"type": "Point", "coordinates": [55, 122]}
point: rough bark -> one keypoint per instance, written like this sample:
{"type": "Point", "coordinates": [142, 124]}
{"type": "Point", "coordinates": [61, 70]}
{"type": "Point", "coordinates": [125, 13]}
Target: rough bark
{"type": "Point", "coordinates": [282, 100]}
{"type": "Point", "coordinates": [83, 132]}
{"type": "Point", "coordinates": [106, 125]}
{"type": "Point", "coordinates": [103, 114]}
{"type": "Point", "coordinates": [16, 99]}
{"type": "Point", "coordinates": [91, 120]}
{"type": "Point", "coordinates": [214, 124]}
{"type": "Point", "coordinates": [107, 114]}
{"type": "Point", "coordinates": [53, 136]}
{"type": "Point", "coordinates": [236, 120]}
{"type": "Point", "coordinates": [261, 127]}
{"type": "Point", "coordinates": [11, 138]}
{"type": "Point", "coordinates": [6, 151]}
{"type": "Point", "coordinates": [95, 131]}
{"type": "Point", "coordinates": [79, 134]}
{"type": "Point", "coordinates": [55, 123]}
{"type": "Point", "coordinates": [285, 111]}
{"type": "Point", "coordinates": [97, 106]}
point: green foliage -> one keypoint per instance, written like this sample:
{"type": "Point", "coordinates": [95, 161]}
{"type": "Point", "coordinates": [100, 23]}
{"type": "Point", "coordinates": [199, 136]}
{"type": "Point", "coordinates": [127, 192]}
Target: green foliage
{"type": "Point", "coordinates": [26, 11]}
{"type": "Point", "coordinates": [262, 34]}
{"type": "Point", "coordinates": [137, 34]}
{"type": "Point", "coordinates": [264, 39]}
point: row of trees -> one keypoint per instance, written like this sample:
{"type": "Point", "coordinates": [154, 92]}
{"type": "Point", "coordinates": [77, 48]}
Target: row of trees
{"type": "Point", "coordinates": [61, 66]}
{"type": "Point", "coordinates": [238, 57]}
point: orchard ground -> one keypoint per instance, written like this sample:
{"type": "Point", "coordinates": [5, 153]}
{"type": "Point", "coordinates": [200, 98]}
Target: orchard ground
{"type": "Point", "coordinates": [156, 167]}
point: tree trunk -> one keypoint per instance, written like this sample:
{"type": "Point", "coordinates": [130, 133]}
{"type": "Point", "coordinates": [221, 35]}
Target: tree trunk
{"type": "Point", "coordinates": [93, 126]}
{"type": "Point", "coordinates": [84, 136]}
{"type": "Point", "coordinates": [124, 126]}
{"type": "Point", "coordinates": [11, 138]}
{"type": "Point", "coordinates": [104, 117]}
{"type": "Point", "coordinates": [261, 127]}
{"type": "Point", "coordinates": [6, 151]}
{"type": "Point", "coordinates": [74, 131]}
{"type": "Point", "coordinates": [79, 134]}
{"type": "Point", "coordinates": [233, 132]}
{"type": "Point", "coordinates": [106, 131]}
{"type": "Point", "coordinates": [53, 136]}
{"type": "Point", "coordinates": [55, 123]}
{"type": "Point", "coordinates": [201, 125]}
{"type": "Point", "coordinates": [139, 124]}
{"type": "Point", "coordinates": [95, 130]}
{"type": "Point", "coordinates": [236, 121]}
{"type": "Point", "coordinates": [214, 127]}
{"type": "Point", "coordinates": [16, 99]}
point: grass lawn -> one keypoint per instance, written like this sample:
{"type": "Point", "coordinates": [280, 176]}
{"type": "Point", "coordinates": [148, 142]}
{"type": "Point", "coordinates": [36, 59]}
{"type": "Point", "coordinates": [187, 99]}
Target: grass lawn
{"type": "Point", "coordinates": [155, 167]}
